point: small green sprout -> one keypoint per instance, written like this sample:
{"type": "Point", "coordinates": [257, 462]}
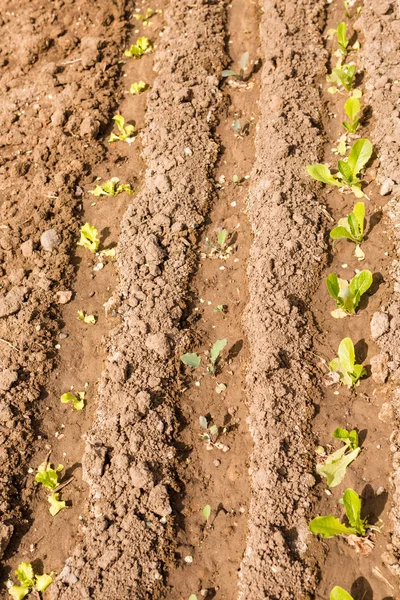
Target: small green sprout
{"type": "Point", "coordinates": [29, 580]}
{"type": "Point", "coordinates": [244, 59]}
{"type": "Point", "coordinates": [220, 308]}
{"type": "Point", "coordinates": [235, 179]}
{"type": "Point", "coordinates": [339, 593]}
{"type": "Point", "coordinates": [211, 433]}
{"type": "Point", "coordinates": [349, 171]}
{"type": "Point", "coordinates": [147, 16]}
{"type": "Point", "coordinates": [138, 87]}
{"type": "Point", "coordinates": [48, 476]}
{"type": "Point", "coordinates": [341, 34]}
{"type": "Point", "coordinates": [142, 46]}
{"type": "Point", "coordinates": [240, 130]}
{"type": "Point", "coordinates": [220, 249]}
{"type": "Point", "coordinates": [191, 360]}
{"type": "Point", "coordinates": [207, 512]}
{"type": "Point", "coordinates": [216, 350]}
{"type": "Point", "coordinates": [88, 319]}
{"type": "Point", "coordinates": [125, 131]}
{"type": "Point", "coordinates": [348, 294]}
{"type": "Point", "coordinates": [342, 76]}
{"type": "Point", "coordinates": [352, 108]}
{"type": "Point", "coordinates": [352, 226]}
{"type": "Point", "coordinates": [344, 367]}
{"type": "Point", "coordinates": [89, 238]}
{"type": "Point", "coordinates": [108, 252]}
{"type": "Point", "coordinates": [334, 467]}
{"type": "Point", "coordinates": [112, 187]}
{"type": "Point", "coordinates": [341, 148]}
{"type": "Point", "coordinates": [192, 597]}
{"type": "Point", "coordinates": [56, 504]}
{"type": "Point", "coordinates": [330, 526]}
{"type": "Point", "coordinates": [77, 399]}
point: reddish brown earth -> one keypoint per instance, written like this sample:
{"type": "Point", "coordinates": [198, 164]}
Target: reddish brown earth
{"type": "Point", "coordinates": [141, 474]}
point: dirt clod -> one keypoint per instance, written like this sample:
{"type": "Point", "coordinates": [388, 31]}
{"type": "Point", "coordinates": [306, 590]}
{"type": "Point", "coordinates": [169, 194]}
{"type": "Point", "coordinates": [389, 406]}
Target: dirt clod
{"type": "Point", "coordinates": [50, 240]}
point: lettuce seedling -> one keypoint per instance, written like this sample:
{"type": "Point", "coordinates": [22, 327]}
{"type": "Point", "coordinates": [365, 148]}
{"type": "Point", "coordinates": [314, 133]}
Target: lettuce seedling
{"type": "Point", "coordinates": [112, 187]}
{"type": "Point", "coordinates": [334, 467]}
{"type": "Point", "coordinates": [48, 476]}
{"type": "Point", "coordinates": [349, 171]}
{"type": "Point", "coordinates": [342, 76]}
{"type": "Point", "coordinates": [214, 354]}
{"type": "Point", "coordinates": [345, 366]}
{"type": "Point", "coordinates": [138, 87]}
{"type": "Point", "coordinates": [207, 512]}
{"type": "Point", "coordinates": [192, 597]}
{"type": "Point", "coordinates": [339, 593]}
{"type": "Point", "coordinates": [29, 581]}
{"type": "Point", "coordinates": [220, 249]}
{"type": "Point", "coordinates": [352, 226]}
{"type": "Point", "coordinates": [244, 59]}
{"type": "Point", "coordinates": [77, 399]}
{"type": "Point", "coordinates": [147, 16]}
{"type": "Point", "coordinates": [329, 526]}
{"type": "Point", "coordinates": [89, 237]}
{"type": "Point", "coordinates": [220, 308]}
{"type": "Point", "coordinates": [191, 360]}
{"type": "Point", "coordinates": [211, 433]}
{"type": "Point", "coordinates": [88, 319]}
{"type": "Point", "coordinates": [348, 294]}
{"type": "Point", "coordinates": [56, 504]}
{"type": "Point", "coordinates": [142, 46]}
{"type": "Point", "coordinates": [341, 34]}
{"type": "Point", "coordinates": [352, 108]}
{"type": "Point", "coordinates": [125, 131]}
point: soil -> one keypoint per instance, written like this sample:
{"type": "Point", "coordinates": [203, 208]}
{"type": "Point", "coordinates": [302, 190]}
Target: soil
{"type": "Point", "coordinates": [138, 472]}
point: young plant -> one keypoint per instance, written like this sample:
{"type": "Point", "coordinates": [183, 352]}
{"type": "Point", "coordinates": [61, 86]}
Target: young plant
{"type": "Point", "coordinates": [220, 308]}
{"type": "Point", "coordinates": [29, 580]}
{"type": "Point", "coordinates": [88, 319]}
{"type": "Point", "coordinates": [48, 476]}
{"type": "Point", "coordinates": [89, 238]}
{"type": "Point", "coordinates": [147, 16]}
{"type": "Point", "coordinates": [352, 226]}
{"type": "Point", "coordinates": [348, 295]}
{"type": "Point", "coordinates": [192, 597]}
{"type": "Point", "coordinates": [211, 435]}
{"type": "Point", "coordinates": [77, 399]}
{"type": "Point", "coordinates": [138, 87]}
{"type": "Point", "coordinates": [125, 131]}
{"type": "Point", "coordinates": [352, 108]}
{"type": "Point", "coordinates": [342, 76]}
{"type": "Point", "coordinates": [349, 171]}
{"type": "Point", "coordinates": [56, 504]}
{"type": "Point", "coordinates": [191, 360]}
{"type": "Point", "coordinates": [112, 187]}
{"type": "Point", "coordinates": [207, 512]}
{"type": "Point", "coordinates": [334, 467]}
{"type": "Point", "coordinates": [341, 34]}
{"type": "Point", "coordinates": [216, 350]}
{"type": "Point", "coordinates": [244, 59]}
{"type": "Point", "coordinates": [142, 46]}
{"type": "Point", "coordinates": [220, 249]}
{"type": "Point", "coordinates": [329, 526]}
{"type": "Point", "coordinates": [240, 130]}
{"type": "Point", "coordinates": [339, 593]}
{"type": "Point", "coordinates": [344, 366]}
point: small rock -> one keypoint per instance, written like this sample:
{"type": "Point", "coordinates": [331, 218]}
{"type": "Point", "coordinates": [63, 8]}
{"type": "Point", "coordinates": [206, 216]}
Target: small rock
{"type": "Point", "coordinates": [159, 343]}
{"type": "Point", "coordinates": [6, 532]}
{"type": "Point", "coordinates": [7, 378]}
{"type": "Point", "coordinates": [141, 476]}
{"type": "Point", "coordinates": [379, 367]}
{"type": "Point", "coordinates": [11, 303]}
{"type": "Point", "coordinates": [50, 240]}
{"type": "Point", "coordinates": [386, 413]}
{"type": "Point", "coordinates": [153, 251]}
{"type": "Point", "coordinates": [89, 128]}
{"type": "Point", "coordinates": [379, 324]}
{"type": "Point", "coordinates": [63, 296]}
{"type": "Point", "coordinates": [386, 187]}
{"type": "Point", "coordinates": [158, 501]}
{"type": "Point", "coordinates": [27, 248]}
{"type": "Point", "coordinates": [217, 463]}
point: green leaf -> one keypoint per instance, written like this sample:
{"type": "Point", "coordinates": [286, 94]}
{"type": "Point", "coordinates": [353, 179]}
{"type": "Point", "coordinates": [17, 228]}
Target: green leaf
{"type": "Point", "coordinates": [78, 399]}
{"type": "Point", "coordinates": [192, 597]}
{"type": "Point", "coordinates": [207, 512]}
{"type": "Point", "coordinates": [320, 172]}
{"type": "Point", "coordinates": [89, 237]}
{"type": "Point", "coordinates": [42, 582]}
{"type": "Point", "coordinates": [342, 38]}
{"type": "Point", "coordinates": [25, 574]}
{"type": "Point", "coordinates": [339, 233]}
{"type": "Point", "coordinates": [217, 349]}
{"type": "Point", "coordinates": [359, 213]}
{"type": "Point", "coordinates": [360, 154]}
{"type": "Point", "coordinates": [138, 87]}
{"type": "Point", "coordinates": [191, 360]}
{"type": "Point", "coordinates": [332, 283]}
{"type": "Point", "coordinates": [18, 592]}
{"type": "Point", "coordinates": [359, 285]}
{"type": "Point", "coordinates": [352, 505]}
{"type": "Point", "coordinates": [109, 188]}
{"type": "Point", "coordinates": [142, 46]}
{"type": "Point", "coordinates": [222, 235]}
{"type": "Point", "coordinates": [48, 477]}
{"type": "Point", "coordinates": [350, 373]}
{"type": "Point", "coordinates": [203, 422]}
{"type": "Point", "coordinates": [350, 438]}
{"type": "Point", "coordinates": [56, 504]}
{"type": "Point", "coordinates": [228, 73]}
{"type": "Point", "coordinates": [335, 470]}
{"type": "Point", "coordinates": [352, 107]}
{"type": "Point", "coordinates": [244, 59]}
{"type": "Point", "coordinates": [339, 593]}
{"type": "Point", "coordinates": [345, 171]}
{"type": "Point", "coordinates": [88, 319]}
{"type": "Point", "coordinates": [329, 526]}
{"type": "Point", "coordinates": [126, 131]}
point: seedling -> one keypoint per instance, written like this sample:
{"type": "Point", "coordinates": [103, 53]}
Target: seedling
{"type": "Point", "coordinates": [112, 187]}
{"type": "Point", "coordinates": [334, 467]}
{"type": "Point", "coordinates": [349, 171]}
{"type": "Point", "coordinates": [207, 512]}
{"type": "Point", "coordinates": [342, 76]}
{"type": "Point", "coordinates": [220, 249]}
{"type": "Point", "coordinates": [47, 476]}
{"type": "Point", "coordinates": [341, 34]}
{"type": "Point", "coordinates": [216, 350]}
{"type": "Point", "coordinates": [192, 597]}
{"type": "Point", "coordinates": [56, 504]}
{"type": "Point", "coordinates": [339, 593]}
{"type": "Point", "coordinates": [29, 580]}
{"type": "Point", "coordinates": [244, 59]}
{"type": "Point", "coordinates": [88, 319]}
{"type": "Point", "coordinates": [238, 129]}
{"type": "Point", "coordinates": [89, 237]}
{"type": "Point", "coordinates": [344, 366]}
{"type": "Point", "coordinates": [77, 399]}
{"type": "Point", "coordinates": [142, 46]}
{"type": "Point", "coordinates": [138, 87]}
{"type": "Point", "coordinates": [211, 435]}
{"type": "Point", "coordinates": [352, 226]}
{"type": "Point", "coordinates": [108, 252]}
{"type": "Point", "coordinates": [191, 360]}
{"type": "Point", "coordinates": [348, 295]}
{"type": "Point", "coordinates": [352, 108]}
{"type": "Point", "coordinates": [341, 148]}
{"type": "Point", "coordinates": [147, 16]}
{"type": "Point", "coordinates": [125, 131]}
{"type": "Point", "coordinates": [220, 308]}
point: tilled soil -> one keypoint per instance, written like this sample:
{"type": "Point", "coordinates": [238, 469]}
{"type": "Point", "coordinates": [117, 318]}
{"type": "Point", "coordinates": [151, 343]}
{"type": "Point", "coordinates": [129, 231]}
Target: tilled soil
{"type": "Point", "coordinates": [140, 472]}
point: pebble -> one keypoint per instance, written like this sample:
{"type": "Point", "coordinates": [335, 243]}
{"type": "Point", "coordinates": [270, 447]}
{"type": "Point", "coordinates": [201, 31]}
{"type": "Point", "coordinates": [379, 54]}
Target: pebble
{"type": "Point", "coordinates": [50, 240]}
{"type": "Point", "coordinates": [379, 324]}
{"type": "Point", "coordinates": [217, 463]}
{"type": "Point", "coordinates": [386, 187]}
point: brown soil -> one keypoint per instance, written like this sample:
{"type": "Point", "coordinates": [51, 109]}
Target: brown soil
{"type": "Point", "coordinates": [141, 472]}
